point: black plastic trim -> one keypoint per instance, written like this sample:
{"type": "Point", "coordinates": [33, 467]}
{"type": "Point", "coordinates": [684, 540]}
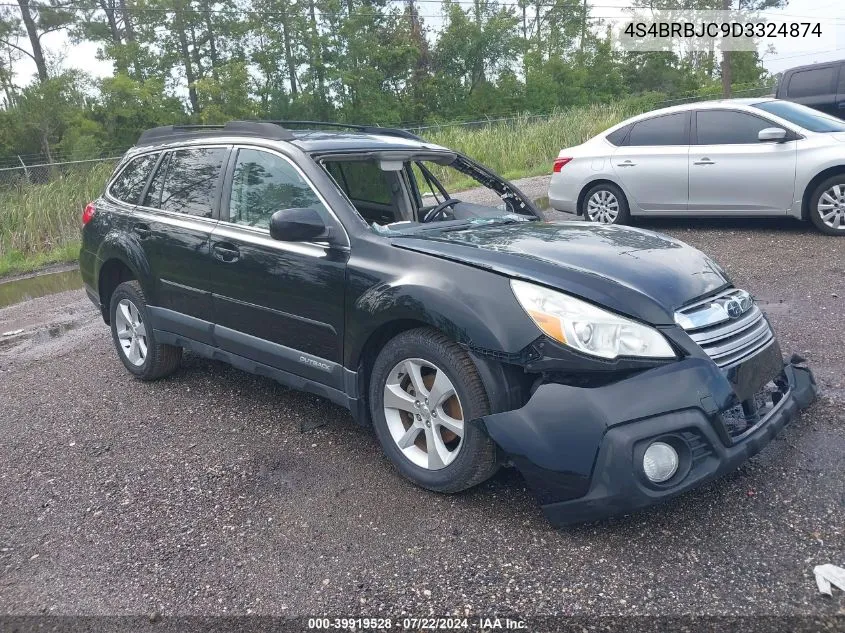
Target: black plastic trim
{"type": "Point", "coordinates": [254, 367]}
{"type": "Point", "coordinates": [260, 129]}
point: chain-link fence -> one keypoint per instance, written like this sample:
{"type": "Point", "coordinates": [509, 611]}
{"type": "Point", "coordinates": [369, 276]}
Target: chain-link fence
{"type": "Point", "coordinates": [46, 172]}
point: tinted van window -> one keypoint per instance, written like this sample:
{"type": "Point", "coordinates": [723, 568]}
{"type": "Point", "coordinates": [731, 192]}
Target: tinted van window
{"type": "Point", "coordinates": [721, 127]}
{"type": "Point", "coordinates": [264, 183]}
{"type": "Point", "coordinates": [670, 129]}
{"type": "Point", "coordinates": [807, 83]}
{"type": "Point", "coordinates": [190, 183]}
{"type": "Point", "coordinates": [129, 184]}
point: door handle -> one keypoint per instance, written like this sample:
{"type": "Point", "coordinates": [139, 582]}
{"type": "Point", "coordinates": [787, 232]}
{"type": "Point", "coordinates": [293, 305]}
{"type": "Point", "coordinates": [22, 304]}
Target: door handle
{"type": "Point", "coordinates": [142, 230]}
{"type": "Point", "coordinates": [627, 163]}
{"type": "Point", "coordinates": [704, 161]}
{"type": "Point", "coordinates": [225, 252]}
{"type": "Point", "coordinates": [841, 105]}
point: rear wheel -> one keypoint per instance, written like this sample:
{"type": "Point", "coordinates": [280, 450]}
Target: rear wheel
{"type": "Point", "coordinates": [133, 337]}
{"type": "Point", "coordinates": [827, 206]}
{"type": "Point", "coordinates": [605, 203]}
{"type": "Point", "coordinates": [424, 393]}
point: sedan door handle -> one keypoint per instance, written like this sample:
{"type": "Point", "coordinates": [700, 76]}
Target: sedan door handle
{"type": "Point", "coordinates": [225, 252]}
{"type": "Point", "coordinates": [142, 230]}
{"type": "Point", "coordinates": [704, 161]}
{"type": "Point", "coordinates": [627, 163]}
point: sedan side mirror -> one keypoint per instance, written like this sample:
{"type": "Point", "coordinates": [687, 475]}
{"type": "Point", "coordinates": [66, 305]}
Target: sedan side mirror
{"type": "Point", "coordinates": [298, 225]}
{"type": "Point", "coordinates": [776, 134]}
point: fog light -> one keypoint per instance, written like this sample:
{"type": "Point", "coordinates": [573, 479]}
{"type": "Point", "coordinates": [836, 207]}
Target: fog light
{"type": "Point", "coordinates": [660, 462]}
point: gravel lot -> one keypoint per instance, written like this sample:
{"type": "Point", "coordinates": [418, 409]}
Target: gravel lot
{"type": "Point", "coordinates": [201, 494]}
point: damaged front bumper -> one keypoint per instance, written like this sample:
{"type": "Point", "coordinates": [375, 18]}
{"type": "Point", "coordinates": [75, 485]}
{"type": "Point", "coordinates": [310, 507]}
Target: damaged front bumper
{"type": "Point", "coordinates": [581, 449]}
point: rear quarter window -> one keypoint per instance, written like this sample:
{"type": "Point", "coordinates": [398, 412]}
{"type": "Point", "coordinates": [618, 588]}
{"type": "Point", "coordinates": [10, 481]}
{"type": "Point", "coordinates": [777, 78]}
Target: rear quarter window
{"type": "Point", "coordinates": [617, 137]}
{"type": "Point", "coordinates": [130, 181]}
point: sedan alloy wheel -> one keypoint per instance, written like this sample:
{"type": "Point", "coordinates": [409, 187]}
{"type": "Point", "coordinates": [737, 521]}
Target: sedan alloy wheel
{"type": "Point", "coordinates": [603, 207]}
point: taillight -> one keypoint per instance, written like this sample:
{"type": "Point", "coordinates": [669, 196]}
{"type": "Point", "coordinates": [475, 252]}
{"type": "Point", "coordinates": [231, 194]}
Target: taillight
{"type": "Point", "coordinates": [559, 163]}
{"type": "Point", "coordinates": [88, 213]}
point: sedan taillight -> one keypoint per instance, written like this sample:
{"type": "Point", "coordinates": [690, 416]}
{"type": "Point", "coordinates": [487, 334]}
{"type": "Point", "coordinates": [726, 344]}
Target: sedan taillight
{"type": "Point", "coordinates": [88, 213]}
{"type": "Point", "coordinates": [559, 163]}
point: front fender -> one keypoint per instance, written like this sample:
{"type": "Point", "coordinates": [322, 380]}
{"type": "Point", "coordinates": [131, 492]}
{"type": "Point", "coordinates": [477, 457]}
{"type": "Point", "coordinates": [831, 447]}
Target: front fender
{"type": "Point", "coordinates": [471, 306]}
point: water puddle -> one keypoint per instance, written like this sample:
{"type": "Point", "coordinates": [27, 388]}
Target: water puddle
{"type": "Point", "coordinates": [12, 292]}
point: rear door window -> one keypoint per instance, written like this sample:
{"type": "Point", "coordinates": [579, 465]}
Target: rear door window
{"type": "Point", "coordinates": [128, 185]}
{"type": "Point", "coordinates": [809, 83]}
{"type": "Point", "coordinates": [724, 127]}
{"type": "Point", "coordinates": [188, 182]}
{"type": "Point", "coordinates": [670, 129]}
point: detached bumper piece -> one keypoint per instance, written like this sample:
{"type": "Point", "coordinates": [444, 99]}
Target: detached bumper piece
{"type": "Point", "coordinates": [582, 449]}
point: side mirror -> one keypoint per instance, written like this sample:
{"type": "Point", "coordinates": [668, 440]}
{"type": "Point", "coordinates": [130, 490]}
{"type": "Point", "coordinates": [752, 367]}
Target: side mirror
{"type": "Point", "coordinates": [298, 225]}
{"type": "Point", "coordinates": [776, 134]}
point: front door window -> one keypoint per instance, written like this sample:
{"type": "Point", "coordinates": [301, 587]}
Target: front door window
{"type": "Point", "coordinates": [264, 183]}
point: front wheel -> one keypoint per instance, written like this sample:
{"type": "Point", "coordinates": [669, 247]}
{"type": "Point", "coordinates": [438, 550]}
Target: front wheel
{"type": "Point", "coordinates": [605, 203]}
{"type": "Point", "coordinates": [424, 392]}
{"type": "Point", "coordinates": [827, 206]}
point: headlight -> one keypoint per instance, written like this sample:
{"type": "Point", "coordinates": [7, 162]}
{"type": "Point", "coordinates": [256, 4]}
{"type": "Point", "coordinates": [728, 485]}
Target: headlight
{"type": "Point", "coordinates": [586, 328]}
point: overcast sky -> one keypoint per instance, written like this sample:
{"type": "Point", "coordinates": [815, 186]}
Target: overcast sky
{"type": "Point", "coordinates": [831, 14]}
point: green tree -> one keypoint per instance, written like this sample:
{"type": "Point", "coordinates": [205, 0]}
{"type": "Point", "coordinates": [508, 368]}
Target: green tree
{"type": "Point", "coordinates": [47, 109]}
{"type": "Point", "coordinates": [477, 44]}
{"type": "Point", "coordinates": [126, 106]}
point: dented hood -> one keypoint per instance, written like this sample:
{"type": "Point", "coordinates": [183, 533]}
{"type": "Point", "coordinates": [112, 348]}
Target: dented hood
{"type": "Point", "coordinates": [636, 272]}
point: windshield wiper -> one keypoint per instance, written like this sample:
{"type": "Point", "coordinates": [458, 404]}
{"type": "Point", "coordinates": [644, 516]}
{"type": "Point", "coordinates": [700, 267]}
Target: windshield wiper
{"type": "Point", "coordinates": [496, 221]}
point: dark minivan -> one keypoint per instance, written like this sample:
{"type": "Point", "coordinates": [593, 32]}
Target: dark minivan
{"type": "Point", "coordinates": [614, 367]}
{"type": "Point", "coordinates": [818, 86]}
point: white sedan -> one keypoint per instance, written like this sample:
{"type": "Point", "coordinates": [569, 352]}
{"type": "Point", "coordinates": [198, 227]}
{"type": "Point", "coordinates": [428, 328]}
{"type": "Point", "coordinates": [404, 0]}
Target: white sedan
{"type": "Point", "coordinates": [731, 158]}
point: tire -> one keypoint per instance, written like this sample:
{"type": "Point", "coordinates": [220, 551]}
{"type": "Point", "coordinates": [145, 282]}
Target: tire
{"type": "Point", "coordinates": [158, 360]}
{"type": "Point", "coordinates": [832, 204]}
{"type": "Point", "coordinates": [610, 199]}
{"type": "Point", "coordinates": [474, 458]}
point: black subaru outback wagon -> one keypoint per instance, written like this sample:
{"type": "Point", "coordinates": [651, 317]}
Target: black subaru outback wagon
{"type": "Point", "coordinates": [614, 367]}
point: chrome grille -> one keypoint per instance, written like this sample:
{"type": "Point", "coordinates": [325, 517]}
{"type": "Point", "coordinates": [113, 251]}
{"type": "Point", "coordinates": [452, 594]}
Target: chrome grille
{"type": "Point", "coordinates": [726, 340]}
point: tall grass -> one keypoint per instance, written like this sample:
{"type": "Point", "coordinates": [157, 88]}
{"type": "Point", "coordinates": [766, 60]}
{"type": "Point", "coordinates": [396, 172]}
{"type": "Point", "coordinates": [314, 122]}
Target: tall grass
{"type": "Point", "coordinates": [527, 146]}
{"type": "Point", "coordinates": [38, 218]}
{"type": "Point", "coordinates": [39, 223]}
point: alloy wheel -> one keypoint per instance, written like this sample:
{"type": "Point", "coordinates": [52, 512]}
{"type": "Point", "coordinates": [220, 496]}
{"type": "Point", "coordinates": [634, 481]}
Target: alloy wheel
{"type": "Point", "coordinates": [131, 332]}
{"type": "Point", "coordinates": [831, 207]}
{"type": "Point", "coordinates": [603, 207]}
{"type": "Point", "coordinates": [423, 413]}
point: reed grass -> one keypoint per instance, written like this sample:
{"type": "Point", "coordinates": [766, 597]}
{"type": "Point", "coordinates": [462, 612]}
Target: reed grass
{"type": "Point", "coordinates": [42, 219]}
